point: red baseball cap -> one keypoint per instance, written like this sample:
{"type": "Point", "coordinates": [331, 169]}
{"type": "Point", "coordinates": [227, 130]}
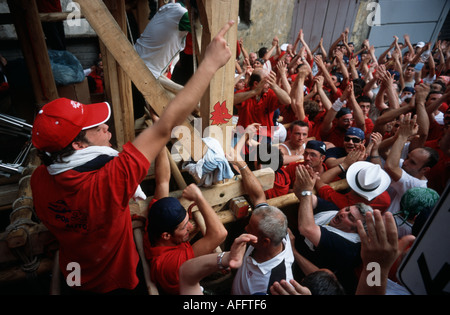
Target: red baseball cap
{"type": "Point", "coordinates": [60, 121]}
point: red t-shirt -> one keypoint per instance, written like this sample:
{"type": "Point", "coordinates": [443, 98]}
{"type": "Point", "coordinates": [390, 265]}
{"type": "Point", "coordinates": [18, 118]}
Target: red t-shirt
{"type": "Point", "coordinates": [280, 186]}
{"type": "Point", "coordinates": [318, 120]}
{"type": "Point", "coordinates": [435, 131]}
{"type": "Point", "coordinates": [91, 219]}
{"type": "Point", "coordinates": [369, 126]}
{"type": "Point", "coordinates": [439, 174]}
{"type": "Point", "coordinates": [381, 202]}
{"type": "Point", "coordinates": [165, 261]}
{"type": "Point", "coordinates": [252, 111]}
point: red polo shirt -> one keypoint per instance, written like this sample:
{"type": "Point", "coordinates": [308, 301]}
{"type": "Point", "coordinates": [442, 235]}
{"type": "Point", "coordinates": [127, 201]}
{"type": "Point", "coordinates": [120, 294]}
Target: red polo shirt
{"type": "Point", "coordinates": [91, 220]}
{"type": "Point", "coordinates": [253, 111]}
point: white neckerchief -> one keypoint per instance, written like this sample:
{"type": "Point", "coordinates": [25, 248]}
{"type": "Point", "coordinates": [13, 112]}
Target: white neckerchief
{"type": "Point", "coordinates": [323, 219]}
{"type": "Point", "coordinates": [81, 157]}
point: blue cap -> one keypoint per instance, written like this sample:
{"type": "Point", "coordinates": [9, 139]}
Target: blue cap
{"type": "Point", "coordinates": [317, 145]}
{"type": "Point", "coordinates": [343, 111]}
{"type": "Point", "coordinates": [353, 131]}
{"type": "Point", "coordinates": [409, 89]}
{"type": "Point", "coordinates": [165, 215]}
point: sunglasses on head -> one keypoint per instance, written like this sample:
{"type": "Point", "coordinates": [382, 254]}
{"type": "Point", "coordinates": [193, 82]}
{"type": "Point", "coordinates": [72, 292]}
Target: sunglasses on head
{"type": "Point", "coordinates": [354, 140]}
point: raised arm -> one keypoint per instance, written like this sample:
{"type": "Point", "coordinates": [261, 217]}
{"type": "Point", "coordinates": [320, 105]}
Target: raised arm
{"type": "Point", "coordinates": [306, 224]}
{"type": "Point", "coordinates": [325, 73]}
{"type": "Point", "coordinates": [283, 96]}
{"type": "Point", "coordinates": [380, 245]}
{"type": "Point", "coordinates": [358, 114]}
{"type": "Point", "coordinates": [195, 269]}
{"type": "Point", "coordinates": [323, 96]}
{"type": "Point", "coordinates": [297, 93]}
{"type": "Point", "coordinates": [327, 123]}
{"type": "Point", "coordinates": [251, 184]}
{"type": "Point", "coordinates": [422, 91]}
{"type": "Point", "coordinates": [215, 231]}
{"type": "Point", "coordinates": [408, 127]}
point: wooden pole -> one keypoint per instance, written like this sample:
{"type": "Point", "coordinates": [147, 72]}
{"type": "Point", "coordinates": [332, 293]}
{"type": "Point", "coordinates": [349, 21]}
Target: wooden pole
{"type": "Point", "coordinates": [27, 23]}
{"type": "Point", "coordinates": [217, 103]}
{"type": "Point", "coordinates": [142, 14]}
{"type": "Point", "coordinates": [117, 84]}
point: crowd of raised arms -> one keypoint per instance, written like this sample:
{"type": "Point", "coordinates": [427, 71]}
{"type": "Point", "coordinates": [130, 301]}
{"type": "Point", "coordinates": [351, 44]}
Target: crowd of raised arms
{"type": "Point", "coordinates": [362, 141]}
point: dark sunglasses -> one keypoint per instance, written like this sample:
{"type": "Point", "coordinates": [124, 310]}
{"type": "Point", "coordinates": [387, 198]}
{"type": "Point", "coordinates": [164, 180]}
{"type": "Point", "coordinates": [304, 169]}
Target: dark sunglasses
{"type": "Point", "coordinates": [354, 140]}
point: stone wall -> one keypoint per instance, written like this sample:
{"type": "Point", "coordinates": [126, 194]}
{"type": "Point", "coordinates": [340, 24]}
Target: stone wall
{"type": "Point", "coordinates": [268, 18]}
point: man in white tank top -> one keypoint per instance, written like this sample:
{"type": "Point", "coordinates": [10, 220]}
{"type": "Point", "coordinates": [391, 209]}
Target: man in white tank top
{"type": "Point", "coordinates": [164, 37]}
{"type": "Point", "coordinates": [294, 147]}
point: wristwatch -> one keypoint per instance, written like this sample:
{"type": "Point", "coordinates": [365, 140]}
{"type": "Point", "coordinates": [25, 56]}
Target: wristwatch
{"type": "Point", "coordinates": [306, 193]}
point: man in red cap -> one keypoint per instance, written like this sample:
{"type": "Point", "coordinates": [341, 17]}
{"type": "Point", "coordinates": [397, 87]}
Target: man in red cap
{"type": "Point", "coordinates": [82, 191]}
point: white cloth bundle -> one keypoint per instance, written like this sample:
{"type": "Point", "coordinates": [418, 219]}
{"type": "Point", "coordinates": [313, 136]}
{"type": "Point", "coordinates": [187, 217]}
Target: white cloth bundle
{"type": "Point", "coordinates": [213, 167]}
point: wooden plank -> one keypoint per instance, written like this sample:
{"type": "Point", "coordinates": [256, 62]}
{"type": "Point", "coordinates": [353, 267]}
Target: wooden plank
{"type": "Point", "coordinates": [142, 14]}
{"type": "Point", "coordinates": [31, 37]}
{"type": "Point", "coordinates": [216, 106]}
{"type": "Point", "coordinates": [317, 27]}
{"type": "Point", "coordinates": [117, 84]}
{"type": "Point", "coordinates": [220, 194]}
{"type": "Point", "coordinates": [298, 17]}
{"type": "Point", "coordinates": [330, 20]}
{"type": "Point", "coordinates": [309, 21]}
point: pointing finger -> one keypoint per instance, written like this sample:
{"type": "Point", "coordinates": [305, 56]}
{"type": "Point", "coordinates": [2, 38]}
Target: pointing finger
{"type": "Point", "coordinates": [225, 28]}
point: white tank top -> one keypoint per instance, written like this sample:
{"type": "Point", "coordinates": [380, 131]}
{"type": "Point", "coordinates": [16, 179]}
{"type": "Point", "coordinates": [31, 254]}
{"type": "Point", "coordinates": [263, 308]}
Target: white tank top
{"type": "Point", "coordinates": [161, 40]}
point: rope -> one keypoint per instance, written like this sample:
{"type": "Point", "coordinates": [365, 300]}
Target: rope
{"type": "Point", "coordinates": [129, 30]}
{"type": "Point", "coordinates": [30, 263]}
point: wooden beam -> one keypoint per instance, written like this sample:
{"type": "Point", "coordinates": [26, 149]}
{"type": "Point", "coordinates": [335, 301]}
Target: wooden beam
{"type": "Point", "coordinates": [220, 194]}
{"type": "Point", "coordinates": [142, 14]}
{"type": "Point", "coordinates": [117, 84]}
{"type": "Point", "coordinates": [217, 103]}
{"type": "Point", "coordinates": [31, 37]}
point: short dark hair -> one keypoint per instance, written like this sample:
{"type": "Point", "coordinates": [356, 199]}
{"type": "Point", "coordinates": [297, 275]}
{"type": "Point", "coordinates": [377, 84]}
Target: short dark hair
{"type": "Point", "coordinates": [57, 157]}
{"type": "Point", "coordinates": [442, 84]}
{"type": "Point", "coordinates": [433, 92]}
{"type": "Point", "coordinates": [300, 123]}
{"type": "Point", "coordinates": [311, 109]}
{"type": "Point", "coordinates": [364, 98]}
{"type": "Point", "coordinates": [255, 77]}
{"type": "Point", "coordinates": [322, 283]}
{"type": "Point", "coordinates": [432, 159]}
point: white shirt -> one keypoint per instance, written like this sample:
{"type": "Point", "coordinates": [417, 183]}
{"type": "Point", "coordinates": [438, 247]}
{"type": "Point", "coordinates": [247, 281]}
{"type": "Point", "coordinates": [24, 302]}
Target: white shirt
{"type": "Point", "coordinates": [161, 40]}
{"type": "Point", "coordinates": [254, 278]}
{"type": "Point", "coordinates": [397, 189]}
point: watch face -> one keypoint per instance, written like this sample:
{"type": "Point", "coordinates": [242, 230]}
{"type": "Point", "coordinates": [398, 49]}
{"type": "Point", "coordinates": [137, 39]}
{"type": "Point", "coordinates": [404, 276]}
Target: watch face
{"type": "Point", "coordinates": [306, 193]}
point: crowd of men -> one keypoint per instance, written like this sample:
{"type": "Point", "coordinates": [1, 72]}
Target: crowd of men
{"type": "Point", "coordinates": [366, 152]}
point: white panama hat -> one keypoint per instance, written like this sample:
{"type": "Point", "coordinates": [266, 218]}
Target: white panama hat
{"type": "Point", "coordinates": [367, 179]}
